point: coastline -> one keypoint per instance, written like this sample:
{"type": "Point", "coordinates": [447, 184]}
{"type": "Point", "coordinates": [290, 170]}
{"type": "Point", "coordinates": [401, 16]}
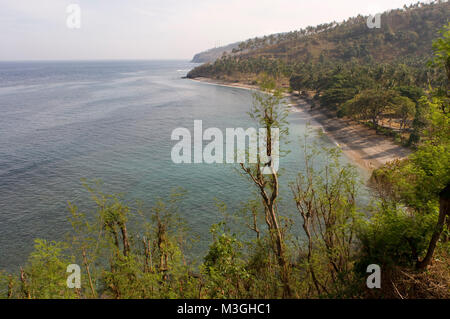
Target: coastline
{"type": "Point", "coordinates": [226, 84]}
{"type": "Point", "coordinates": [362, 145]}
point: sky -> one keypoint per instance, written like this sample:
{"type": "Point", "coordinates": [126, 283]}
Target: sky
{"type": "Point", "coordinates": [158, 29]}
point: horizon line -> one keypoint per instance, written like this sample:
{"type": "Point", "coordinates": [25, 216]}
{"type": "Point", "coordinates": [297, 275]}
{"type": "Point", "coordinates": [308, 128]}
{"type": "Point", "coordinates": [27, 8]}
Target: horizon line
{"type": "Point", "coordinates": [95, 60]}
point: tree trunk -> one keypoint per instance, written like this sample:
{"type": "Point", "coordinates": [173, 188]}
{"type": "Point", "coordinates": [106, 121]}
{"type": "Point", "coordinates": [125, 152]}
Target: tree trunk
{"type": "Point", "coordinates": [444, 211]}
{"type": "Point", "coordinates": [126, 242]}
{"type": "Point", "coordinates": [86, 264]}
{"type": "Point", "coordinates": [375, 123]}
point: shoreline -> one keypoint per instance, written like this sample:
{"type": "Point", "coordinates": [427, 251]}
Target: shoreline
{"type": "Point", "coordinates": [360, 144]}
{"type": "Point", "coordinates": [237, 85]}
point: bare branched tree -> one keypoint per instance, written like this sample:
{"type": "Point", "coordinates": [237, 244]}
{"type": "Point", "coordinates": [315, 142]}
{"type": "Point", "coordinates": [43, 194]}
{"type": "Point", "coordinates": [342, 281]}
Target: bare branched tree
{"type": "Point", "coordinates": [270, 113]}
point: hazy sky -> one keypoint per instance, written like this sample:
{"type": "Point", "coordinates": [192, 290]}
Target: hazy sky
{"type": "Point", "coordinates": [158, 29]}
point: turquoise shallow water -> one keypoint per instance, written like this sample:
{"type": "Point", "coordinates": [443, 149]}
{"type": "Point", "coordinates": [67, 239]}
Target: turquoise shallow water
{"type": "Point", "coordinates": [63, 121]}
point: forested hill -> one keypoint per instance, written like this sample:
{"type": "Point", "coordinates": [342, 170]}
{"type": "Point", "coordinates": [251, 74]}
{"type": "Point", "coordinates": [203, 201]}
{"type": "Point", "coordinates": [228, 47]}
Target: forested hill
{"type": "Point", "coordinates": [404, 33]}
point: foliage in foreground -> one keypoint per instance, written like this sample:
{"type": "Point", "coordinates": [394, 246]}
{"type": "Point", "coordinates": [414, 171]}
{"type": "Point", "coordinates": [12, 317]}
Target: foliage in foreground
{"type": "Point", "coordinates": [330, 262]}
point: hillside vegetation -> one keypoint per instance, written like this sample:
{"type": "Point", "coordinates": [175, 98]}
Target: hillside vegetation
{"type": "Point", "coordinates": [404, 33]}
{"type": "Point", "coordinates": [376, 76]}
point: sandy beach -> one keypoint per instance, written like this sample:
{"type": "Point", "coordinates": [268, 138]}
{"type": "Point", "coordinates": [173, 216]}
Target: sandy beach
{"type": "Point", "coordinates": [227, 84]}
{"type": "Point", "coordinates": [361, 144]}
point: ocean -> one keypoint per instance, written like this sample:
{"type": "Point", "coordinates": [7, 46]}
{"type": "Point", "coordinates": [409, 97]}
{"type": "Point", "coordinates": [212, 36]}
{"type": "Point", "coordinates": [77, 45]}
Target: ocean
{"type": "Point", "coordinates": [112, 121]}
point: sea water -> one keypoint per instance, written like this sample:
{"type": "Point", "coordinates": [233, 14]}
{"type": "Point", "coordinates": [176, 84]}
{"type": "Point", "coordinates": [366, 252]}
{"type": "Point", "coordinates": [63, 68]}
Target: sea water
{"type": "Point", "coordinates": [112, 121]}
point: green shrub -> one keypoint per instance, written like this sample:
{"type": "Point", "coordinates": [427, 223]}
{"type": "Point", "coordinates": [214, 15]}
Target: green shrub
{"type": "Point", "coordinates": [394, 236]}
